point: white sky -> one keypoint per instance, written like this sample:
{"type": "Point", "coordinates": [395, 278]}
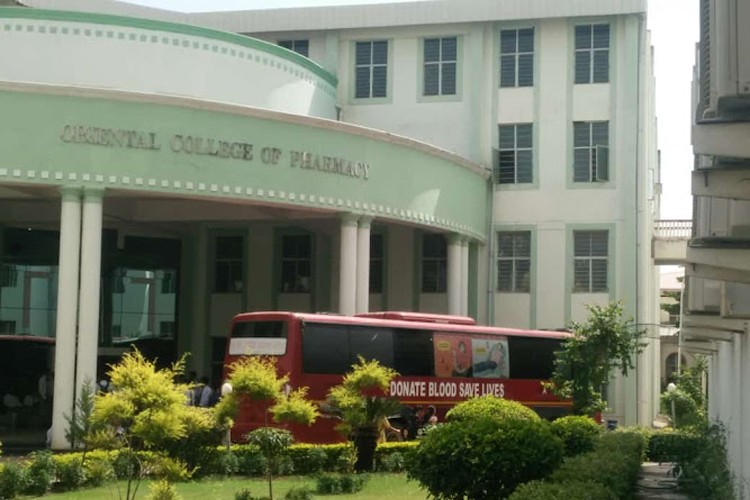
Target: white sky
{"type": "Point", "coordinates": [674, 32]}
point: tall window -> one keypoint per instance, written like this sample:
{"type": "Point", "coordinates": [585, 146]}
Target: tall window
{"type": "Point", "coordinates": [440, 66]}
{"type": "Point", "coordinates": [229, 251]}
{"type": "Point", "coordinates": [517, 58]}
{"type": "Point", "coordinates": [591, 255]}
{"type": "Point", "coordinates": [376, 263]}
{"type": "Point", "coordinates": [434, 263]}
{"type": "Point", "coordinates": [371, 69]}
{"type": "Point", "coordinates": [514, 164]}
{"type": "Point", "coordinates": [514, 261]}
{"type": "Point", "coordinates": [8, 275]}
{"type": "Point", "coordinates": [296, 263]}
{"type": "Point", "coordinates": [301, 47]}
{"type": "Point", "coordinates": [592, 53]}
{"type": "Point", "coordinates": [590, 151]}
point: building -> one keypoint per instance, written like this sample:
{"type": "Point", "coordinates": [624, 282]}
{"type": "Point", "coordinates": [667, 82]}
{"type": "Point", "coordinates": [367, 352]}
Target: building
{"type": "Point", "coordinates": [718, 257]}
{"type": "Point", "coordinates": [492, 159]}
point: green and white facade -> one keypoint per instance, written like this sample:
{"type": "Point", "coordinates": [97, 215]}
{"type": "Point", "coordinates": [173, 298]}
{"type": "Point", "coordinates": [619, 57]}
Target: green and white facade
{"type": "Point", "coordinates": [160, 172]}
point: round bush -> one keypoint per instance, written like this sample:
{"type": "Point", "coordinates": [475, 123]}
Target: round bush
{"type": "Point", "coordinates": [483, 458]}
{"type": "Point", "coordinates": [490, 407]}
{"type": "Point", "coordinates": [579, 434]}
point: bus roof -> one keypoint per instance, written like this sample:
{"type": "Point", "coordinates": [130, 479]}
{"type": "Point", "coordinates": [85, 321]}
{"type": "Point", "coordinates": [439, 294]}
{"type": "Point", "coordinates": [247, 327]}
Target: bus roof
{"type": "Point", "coordinates": [419, 317]}
{"type": "Point", "coordinates": [395, 323]}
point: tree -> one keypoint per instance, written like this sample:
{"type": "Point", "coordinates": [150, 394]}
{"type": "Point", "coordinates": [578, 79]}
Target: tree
{"type": "Point", "coordinates": [145, 411]}
{"type": "Point", "coordinates": [689, 398]}
{"type": "Point", "coordinates": [603, 343]}
{"type": "Point", "coordinates": [361, 402]}
{"type": "Point", "coordinates": [257, 379]}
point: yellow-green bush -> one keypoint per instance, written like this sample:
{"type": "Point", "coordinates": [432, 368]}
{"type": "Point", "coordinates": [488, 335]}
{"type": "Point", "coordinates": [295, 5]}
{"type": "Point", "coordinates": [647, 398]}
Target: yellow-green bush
{"type": "Point", "coordinates": [490, 407]}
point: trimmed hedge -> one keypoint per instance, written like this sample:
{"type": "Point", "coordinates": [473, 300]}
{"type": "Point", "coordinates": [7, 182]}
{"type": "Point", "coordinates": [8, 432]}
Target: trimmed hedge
{"type": "Point", "coordinates": [669, 445]}
{"type": "Point", "coordinates": [572, 490]}
{"type": "Point", "coordinates": [490, 407]}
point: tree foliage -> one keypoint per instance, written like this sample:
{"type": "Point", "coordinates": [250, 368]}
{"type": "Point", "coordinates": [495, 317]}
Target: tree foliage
{"type": "Point", "coordinates": [689, 398]}
{"type": "Point", "coordinates": [601, 344]}
{"type": "Point", "coordinates": [491, 407]}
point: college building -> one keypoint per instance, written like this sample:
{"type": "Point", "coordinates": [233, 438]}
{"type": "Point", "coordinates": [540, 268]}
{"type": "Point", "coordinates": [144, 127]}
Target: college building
{"type": "Point", "coordinates": [163, 171]}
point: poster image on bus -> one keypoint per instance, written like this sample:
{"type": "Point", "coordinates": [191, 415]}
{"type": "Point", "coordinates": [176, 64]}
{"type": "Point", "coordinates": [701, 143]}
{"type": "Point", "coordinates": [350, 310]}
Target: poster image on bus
{"type": "Point", "coordinates": [441, 360]}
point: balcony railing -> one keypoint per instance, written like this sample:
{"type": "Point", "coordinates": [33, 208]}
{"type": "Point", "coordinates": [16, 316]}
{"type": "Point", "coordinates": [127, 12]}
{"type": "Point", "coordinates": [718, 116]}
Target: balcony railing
{"type": "Point", "coordinates": [673, 229]}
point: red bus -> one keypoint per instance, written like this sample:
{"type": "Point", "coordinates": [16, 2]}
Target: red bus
{"type": "Point", "coordinates": [441, 360]}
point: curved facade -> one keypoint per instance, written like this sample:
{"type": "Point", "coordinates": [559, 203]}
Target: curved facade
{"type": "Point", "coordinates": [157, 178]}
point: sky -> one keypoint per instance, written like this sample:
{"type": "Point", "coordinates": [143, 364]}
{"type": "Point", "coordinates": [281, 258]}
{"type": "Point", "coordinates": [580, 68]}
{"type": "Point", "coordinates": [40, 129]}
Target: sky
{"type": "Point", "coordinates": [674, 32]}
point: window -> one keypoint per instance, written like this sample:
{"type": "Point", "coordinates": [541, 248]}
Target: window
{"type": "Point", "coordinates": [591, 249]}
{"type": "Point", "coordinates": [229, 251]}
{"type": "Point", "coordinates": [167, 329]}
{"type": "Point", "coordinates": [371, 69]}
{"type": "Point", "coordinates": [590, 151]}
{"type": "Point", "coordinates": [301, 47]}
{"type": "Point", "coordinates": [350, 341]}
{"type": "Point", "coordinates": [517, 58]}
{"type": "Point", "coordinates": [296, 263]}
{"type": "Point", "coordinates": [434, 264]}
{"type": "Point", "coordinates": [592, 53]}
{"type": "Point", "coordinates": [376, 263]}
{"type": "Point", "coordinates": [8, 276]}
{"type": "Point", "coordinates": [514, 261]}
{"type": "Point", "coordinates": [514, 163]}
{"type": "Point", "coordinates": [7, 327]}
{"type": "Point", "coordinates": [169, 282]}
{"type": "Point", "coordinates": [440, 63]}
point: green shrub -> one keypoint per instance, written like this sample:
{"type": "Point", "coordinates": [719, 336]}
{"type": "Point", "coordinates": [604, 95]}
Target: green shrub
{"type": "Point", "coordinates": [669, 445]}
{"type": "Point", "coordinates": [250, 462]}
{"type": "Point", "coordinates": [706, 474]}
{"type": "Point", "coordinates": [298, 493]}
{"type": "Point", "coordinates": [578, 433]}
{"type": "Point", "coordinates": [40, 473]}
{"type": "Point", "coordinates": [391, 457]}
{"type": "Point", "coordinates": [307, 458]}
{"type": "Point", "coordinates": [614, 463]}
{"type": "Point", "coordinates": [491, 407]}
{"type": "Point", "coordinates": [163, 490]}
{"type": "Point", "coordinates": [12, 480]}
{"type": "Point", "coordinates": [246, 494]}
{"type": "Point", "coordinates": [98, 471]}
{"type": "Point", "coordinates": [225, 463]}
{"type": "Point", "coordinates": [484, 458]}
{"type": "Point", "coordinates": [339, 457]}
{"type": "Point", "coordinates": [573, 490]}
{"type": "Point", "coordinates": [332, 484]}
{"type": "Point", "coordinates": [71, 474]}
{"type": "Point", "coordinates": [169, 469]}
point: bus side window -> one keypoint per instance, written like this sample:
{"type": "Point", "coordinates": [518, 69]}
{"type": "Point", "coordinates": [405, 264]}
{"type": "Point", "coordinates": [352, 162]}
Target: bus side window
{"type": "Point", "coordinates": [371, 343]}
{"type": "Point", "coordinates": [413, 353]}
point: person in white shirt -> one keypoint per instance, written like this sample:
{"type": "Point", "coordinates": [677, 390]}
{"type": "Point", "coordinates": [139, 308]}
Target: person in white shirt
{"type": "Point", "coordinates": [204, 396]}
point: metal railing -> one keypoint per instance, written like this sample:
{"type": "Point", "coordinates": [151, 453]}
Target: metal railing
{"type": "Point", "coordinates": [673, 229]}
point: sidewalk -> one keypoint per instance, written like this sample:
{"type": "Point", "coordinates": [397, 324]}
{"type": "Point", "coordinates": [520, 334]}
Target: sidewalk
{"type": "Point", "coordinates": [657, 483]}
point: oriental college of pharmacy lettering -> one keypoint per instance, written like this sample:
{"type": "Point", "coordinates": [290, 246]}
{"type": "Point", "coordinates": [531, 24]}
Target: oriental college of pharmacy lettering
{"type": "Point", "coordinates": [211, 147]}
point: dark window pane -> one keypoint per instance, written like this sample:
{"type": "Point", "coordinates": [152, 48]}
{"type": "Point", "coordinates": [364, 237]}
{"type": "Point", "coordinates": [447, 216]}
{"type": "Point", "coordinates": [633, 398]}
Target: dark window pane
{"type": "Point", "coordinates": [581, 276]}
{"type": "Point", "coordinates": [376, 276]}
{"type": "Point", "coordinates": [532, 358]}
{"type": "Point", "coordinates": [600, 133]}
{"type": "Point", "coordinates": [507, 167]}
{"type": "Point", "coordinates": [582, 165]}
{"type": "Point", "coordinates": [317, 353]}
{"type": "Point", "coordinates": [259, 329]}
{"type": "Point", "coordinates": [432, 50]}
{"type": "Point", "coordinates": [508, 42]}
{"type": "Point", "coordinates": [601, 66]}
{"type": "Point", "coordinates": [599, 243]}
{"type": "Point", "coordinates": [380, 52]}
{"type": "Point", "coordinates": [363, 52]}
{"type": "Point", "coordinates": [507, 136]}
{"type": "Point", "coordinates": [414, 353]}
{"type": "Point", "coordinates": [526, 40]}
{"type": "Point", "coordinates": [362, 84]}
{"type": "Point", "coordinates": [302, 47]}
{"type": "Point", "coordinates": [371, 343]}
{"type": "Point", "coordinates": [229, 247]}
{"type": "Point", "coordinates": [505, 244]}
{"type": "Point", "coordinates": [599, 275]}
{"type": "Point", "coordinates": [449, 79]}
{"type": "Point", "coordinates": [526, 70]}
{"type": "Point", "coordinates": [522, 244]}
{"type": "Point", "coordinates": [602, 163]}
{"type": "Point", "coordinates": [505, 275]}
{"type": "Point", "coordinates": [524, 135]}
{"type": "Point", "coordinates": [287, 44]}
{"type": "Point", "coordinates": [450, 49]}
{"type": "Point", "coordinates": [523, 275]}
{"type": "Point", "coordinates": [379, 81]}
{"type": "Point", "coordinates": [431, 83]}
{"type": "Point", "coordinates": [583, 37]}
{"type": "Point", "coordinates": [525, 168]}
{"type": "Point", "coordinates": [601, 36]}
{"type": "Point", "coordinates": [434, 246]}
{"type": "Point", "coordinates": [508, 71]}
{"type": "Point", "coordinates": [581, 134]}
{"type": "Point", "coordinates": [376, 246]}
{"type": "Point", "coordinates": [583, 67]}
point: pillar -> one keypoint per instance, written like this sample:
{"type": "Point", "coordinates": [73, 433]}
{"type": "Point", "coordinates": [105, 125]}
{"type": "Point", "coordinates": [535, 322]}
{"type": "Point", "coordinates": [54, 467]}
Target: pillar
{"type": "Point", "coordinates": [464, 277]}
{"type": "Point", "coordinates": [67, 307]}
{"type": "Point", "coordinates": [348, 264]}
{"type": "Point", "coordinates": [454, 274]}
{"type": "Point", "coordinates": [363, 265]}
{"type": "Point", "coordinates": [88, 310]}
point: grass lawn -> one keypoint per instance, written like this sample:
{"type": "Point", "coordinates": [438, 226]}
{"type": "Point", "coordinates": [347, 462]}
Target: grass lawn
{"type": "Point", "coordinates": [394, 486]}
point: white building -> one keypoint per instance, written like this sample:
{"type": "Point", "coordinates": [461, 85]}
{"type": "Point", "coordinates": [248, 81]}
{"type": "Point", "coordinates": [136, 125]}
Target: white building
{"type": "Point", "coordinates": [495, 159]}
{"type": "Point", "coordinates": [718, 258]}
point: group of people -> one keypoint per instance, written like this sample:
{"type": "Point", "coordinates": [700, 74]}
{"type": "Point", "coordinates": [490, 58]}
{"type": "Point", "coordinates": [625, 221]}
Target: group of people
{"type": "Point", "coordinates": [415, 421]}
{"type": "Point", "coordinates": [200, 393]}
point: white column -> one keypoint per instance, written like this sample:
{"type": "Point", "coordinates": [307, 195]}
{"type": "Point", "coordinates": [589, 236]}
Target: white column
{"type": "Point", "coordinates": [88, 311]}
{"type": "Point", "coordinates": [464, 277]}
{"type": "Point", "coordinates": [454, 274]}
{"type": "Point", "coordinates": [67, 308]}
{"type": "Point", "coordinates": [363, 265]}
{"type": "Point", "coordinates": [348, 264]}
